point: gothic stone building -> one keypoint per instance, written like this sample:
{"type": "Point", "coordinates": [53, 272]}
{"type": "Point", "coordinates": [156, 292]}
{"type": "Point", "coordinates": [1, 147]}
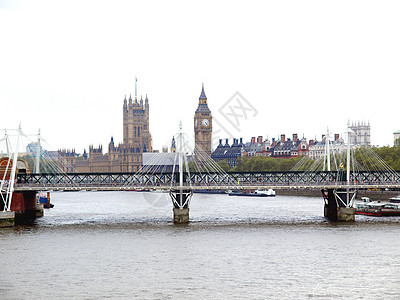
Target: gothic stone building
{"type": "Point", "coordinates": [124, 157]}
{"type": "Point", "coordinates": [362, 133]}
{"type": "Point", "coordinates": [202, 126]}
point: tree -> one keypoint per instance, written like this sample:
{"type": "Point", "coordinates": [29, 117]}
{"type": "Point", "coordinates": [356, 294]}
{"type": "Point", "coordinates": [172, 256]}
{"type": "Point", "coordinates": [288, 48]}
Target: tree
{"type": "Point", "coordinates": [264, 164]}
{"type": "Point", "coordinates": [224, 165]}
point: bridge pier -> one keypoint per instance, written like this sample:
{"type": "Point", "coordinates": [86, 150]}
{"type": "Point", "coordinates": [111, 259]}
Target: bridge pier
{"type": "Point", "coordinates": [337, 207]}
{"type": "Point", "coordinates": [22, 210]}
{"type": "Point", "coordinates": [180, 199]}
{"type": "Point", "coordinates": [181, 215]}
{"type": "Point", "coordinates": [24, 206]}
{"type": "Point", "coordinates": [39, 210]}
{"type": "Point", "coordinates": [7, 219]}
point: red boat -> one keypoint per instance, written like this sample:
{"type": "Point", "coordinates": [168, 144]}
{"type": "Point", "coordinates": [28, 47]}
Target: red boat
{"type": "Point", "coordinates": [376, 208]}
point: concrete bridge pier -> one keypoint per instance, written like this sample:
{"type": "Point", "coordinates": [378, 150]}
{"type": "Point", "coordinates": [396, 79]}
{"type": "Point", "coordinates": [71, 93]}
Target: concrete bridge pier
{"type": "Point", "coordinates": [39, 210]}
{"type": "Point", "coordinates": [180, 199]}
{"type": "Point", "coordinates": [337, 207]}
{"type": "Point", "coordinates": [7, 219]}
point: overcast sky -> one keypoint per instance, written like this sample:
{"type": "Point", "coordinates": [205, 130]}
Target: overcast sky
{"type": "Point", "coordinates": [298, 66]}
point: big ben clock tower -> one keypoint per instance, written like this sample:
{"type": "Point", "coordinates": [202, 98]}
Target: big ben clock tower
{"type": "Point", "coordinates": [203, 125]}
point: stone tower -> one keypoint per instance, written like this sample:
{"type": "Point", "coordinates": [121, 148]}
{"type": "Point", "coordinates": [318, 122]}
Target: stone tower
{"type": "Point", "coordinates": [136, 133]}
{"type": "Point", "coordinates": [123, 157]}
{"type": "Point", "coordinates": [362, 133]}
{"type": "Point", "coordinates": [173, 145]}
{"type": "Point", "coordinates": [203, 125]}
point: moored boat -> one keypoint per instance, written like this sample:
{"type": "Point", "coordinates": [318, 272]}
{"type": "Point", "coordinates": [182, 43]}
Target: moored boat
{"type": "Point", "coordinates": [376, 208]}
{"type": "Point", "coordinates": [395, 199]}
{"type": "Point", "coordinates": [207, 191]}
{"type": "Point", "coordinates": [256, 193]}
{"type": "Point", "coordinates": [44, 199]}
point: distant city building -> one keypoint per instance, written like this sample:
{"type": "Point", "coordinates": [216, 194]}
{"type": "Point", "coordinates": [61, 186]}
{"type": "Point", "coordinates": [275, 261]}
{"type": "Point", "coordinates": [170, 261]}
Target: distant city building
{"type": "Point", "coordinates": [203, 125]}
{"type": "Point", "coordinates": [317, 148]}
{"type": "Point", "coordinates": [128, 155]}
{"type": "Point", "coordinates": [256, 147]}
{"type": "Point", "coordinates": [362, 133]}
{"type": "Point", "coordinates": [396, 136]}
{"type": "Point", "coordinates": [284, 148]}
{"type": "Point", "coordinates": [32, 148]}
{"type": "Point", "coordinates": [66, 160]}
{"type": "Point", "coordinates": [124, 157]}
{"type": "Point", "coordinates": [230, 153]}
{"type": "Point", "coordinates": [287, 148]}
{"type": "Point", "coordinates": [52, 155]}
{"type": "Point", "coordinates": [160, 162]}
{"type": "Point", "coordinates": [173, 145]}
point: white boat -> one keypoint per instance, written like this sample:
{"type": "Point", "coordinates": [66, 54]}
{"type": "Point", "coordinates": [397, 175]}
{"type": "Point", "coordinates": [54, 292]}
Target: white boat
{"type": "Point", "coordinates": [160, 191]}
{"type": "Point", "coordinates": [256, 193]}
{"type": "Point", "coordinates": [395, 199]}
{"type": "Point", "coordinates": [268, 192]}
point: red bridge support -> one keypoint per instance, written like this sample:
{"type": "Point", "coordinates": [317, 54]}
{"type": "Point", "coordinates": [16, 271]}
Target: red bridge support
{"type": "Point", "coordinates": [24, 206]}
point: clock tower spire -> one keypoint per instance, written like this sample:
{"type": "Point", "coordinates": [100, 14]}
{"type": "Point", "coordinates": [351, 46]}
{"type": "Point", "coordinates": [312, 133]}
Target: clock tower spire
{"type": "Point", "coordinates": [203, 125]}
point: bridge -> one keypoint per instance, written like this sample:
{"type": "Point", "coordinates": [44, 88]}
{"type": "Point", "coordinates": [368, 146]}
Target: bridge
{"type": "Point", "coordinates": [339, 187]}
{"type": "Point", "coordinates": [210, 181]}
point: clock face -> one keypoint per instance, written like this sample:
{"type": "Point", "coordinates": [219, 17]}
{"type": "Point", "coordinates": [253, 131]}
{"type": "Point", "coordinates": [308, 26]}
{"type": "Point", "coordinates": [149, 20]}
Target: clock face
{"type": "Point", "coordinates": [205, 122]}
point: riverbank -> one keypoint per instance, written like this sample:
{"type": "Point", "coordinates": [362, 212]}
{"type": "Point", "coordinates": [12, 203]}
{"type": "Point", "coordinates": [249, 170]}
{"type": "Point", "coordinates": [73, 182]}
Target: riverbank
{"type": "Point", "coordinates": [372, 194]}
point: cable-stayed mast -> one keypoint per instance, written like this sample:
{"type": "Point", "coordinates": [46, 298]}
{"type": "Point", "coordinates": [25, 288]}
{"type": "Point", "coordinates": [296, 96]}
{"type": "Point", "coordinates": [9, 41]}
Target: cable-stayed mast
{"type": "Point", "coordinates": [181, 195]}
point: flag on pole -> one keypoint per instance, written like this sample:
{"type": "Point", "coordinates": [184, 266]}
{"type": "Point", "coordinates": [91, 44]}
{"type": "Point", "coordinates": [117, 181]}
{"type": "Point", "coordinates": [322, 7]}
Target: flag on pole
{"type": "Point", "coordinates": [135, 87]}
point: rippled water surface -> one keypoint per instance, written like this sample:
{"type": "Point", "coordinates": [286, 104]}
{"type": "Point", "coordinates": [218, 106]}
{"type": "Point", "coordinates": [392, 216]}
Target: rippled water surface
{"type": "Point", "coordinates": [124, 245]}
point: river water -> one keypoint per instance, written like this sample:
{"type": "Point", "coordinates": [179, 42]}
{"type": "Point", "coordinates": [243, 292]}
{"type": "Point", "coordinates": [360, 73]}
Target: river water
{"type": "Point", "coordinates": [124, 245]}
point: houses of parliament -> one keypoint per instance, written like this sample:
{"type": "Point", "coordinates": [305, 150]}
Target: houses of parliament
{"type": "Point", "coordinates": [128, 156]}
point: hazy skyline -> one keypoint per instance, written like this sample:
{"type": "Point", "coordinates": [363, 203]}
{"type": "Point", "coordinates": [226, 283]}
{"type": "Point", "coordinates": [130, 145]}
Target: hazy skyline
{"type": "Point", "coordinates": [300, 66]}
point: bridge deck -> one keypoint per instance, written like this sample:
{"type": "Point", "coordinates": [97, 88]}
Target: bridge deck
{"type": "Point", "coordinates": [21, 188]}
{"type": "Point", "coordinates": [198, 181]}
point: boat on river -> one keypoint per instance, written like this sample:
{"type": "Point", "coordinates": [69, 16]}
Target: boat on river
{"type": "Point", "coordinates": [209, 191]}
{"type": "Point", "coordinates": [256, 193]}
{"type": "Point", "coordinates": [44, 199]}
{"type": "Point", "coordinates": [395, 199]}
{"type": "Point", "coordinates": [376, 208]}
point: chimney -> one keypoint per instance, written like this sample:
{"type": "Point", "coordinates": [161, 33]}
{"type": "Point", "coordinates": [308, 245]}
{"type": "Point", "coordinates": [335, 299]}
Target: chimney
{"type": "Point", "coordinates": [273, 142]}
{"type": "Point", "coordinates": [311, 143]}
{"type": "Point", "coordinates": [253, 140]}
{"type": "Point", "coordinates": [283, 138]}
{"type": "Point", "coordinates": [295, 137]}
{"type": "Point", "coordinates": [226, 142]}
{"type": "Point", "coordinates": [241, 141]}
{"type": "Point", "coordinates": [259, 139]}
{"type": "Point", "coordinates": [323, 138]}
{"type": "Point", "coordinates": [336, 136]}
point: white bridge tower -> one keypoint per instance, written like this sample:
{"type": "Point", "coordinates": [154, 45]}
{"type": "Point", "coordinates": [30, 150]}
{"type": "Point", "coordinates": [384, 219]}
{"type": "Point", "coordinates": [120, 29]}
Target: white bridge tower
{"type": "Point", "coordinates": [181, 194]}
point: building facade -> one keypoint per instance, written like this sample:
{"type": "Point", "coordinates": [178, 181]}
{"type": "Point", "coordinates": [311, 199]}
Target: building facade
{"type": "Point", "coordinates": [124, 157]}
{"type": "Point", "coordinates": [396, 138]}
{"type": "Point", "coordinates": [203, 126]}
{"type": "Point", "coordinates": [228, 152]}
{"type": "Point", "coordinates": [282, 148]}
{"type": "Point", "coordinates": [317, 149]}
{"type": "Point", "coordinates": [362, 133]}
